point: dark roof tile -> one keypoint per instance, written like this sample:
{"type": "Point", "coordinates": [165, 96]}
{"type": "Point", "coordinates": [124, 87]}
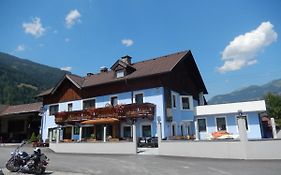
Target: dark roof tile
{"type": "Point", "coordinates": [24, 108]}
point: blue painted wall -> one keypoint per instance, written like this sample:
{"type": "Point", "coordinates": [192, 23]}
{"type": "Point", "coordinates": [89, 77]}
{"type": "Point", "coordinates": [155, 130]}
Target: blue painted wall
{"type": "Point", "coordinates": [254, 130]}
{"type": "Point", "coordinates": [153, 95]}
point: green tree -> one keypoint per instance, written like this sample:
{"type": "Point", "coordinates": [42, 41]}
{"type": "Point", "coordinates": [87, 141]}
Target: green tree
{"type": "Point", "coordinates": [273, 105]}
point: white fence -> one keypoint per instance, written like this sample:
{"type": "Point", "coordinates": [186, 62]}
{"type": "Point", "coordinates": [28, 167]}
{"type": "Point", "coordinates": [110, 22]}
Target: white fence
{"type": "Point", "coordinates": [268, 149]}
{"type": "Point", "coordinates": [95, 148]}
{"type": "Point", "coordinates": [224, 149]}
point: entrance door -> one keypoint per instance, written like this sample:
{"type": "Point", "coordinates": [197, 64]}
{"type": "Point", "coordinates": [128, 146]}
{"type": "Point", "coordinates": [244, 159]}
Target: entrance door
{"type": "Point", "coordinates": [67, 131]}
{"type": "Point", "coordinates": [146, 130]}
{"type": "Point", "coordinates": [99, 132]}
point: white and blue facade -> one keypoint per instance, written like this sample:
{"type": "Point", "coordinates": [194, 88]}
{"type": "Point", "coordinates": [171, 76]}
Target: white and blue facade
{"type": "Point", "coordinates": [171, 83]}
{"type": "Point", "coordinates": [223, 117]}
{"type": "Point", "coordinates": [181, 124]}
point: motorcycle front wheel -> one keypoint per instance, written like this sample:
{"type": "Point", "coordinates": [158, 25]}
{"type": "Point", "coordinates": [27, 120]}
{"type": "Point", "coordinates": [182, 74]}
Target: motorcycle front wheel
{"type": "Point", "coordinates": [12, 166]}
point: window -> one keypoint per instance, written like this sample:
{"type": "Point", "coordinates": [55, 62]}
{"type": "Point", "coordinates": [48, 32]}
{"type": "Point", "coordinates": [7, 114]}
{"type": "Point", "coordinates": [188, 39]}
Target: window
{"type": "Point", "coordinates": [120, 73]}
{"type": "Point", "coordinates": [174, 131]}
{"type": "Point", "coordinates": [186, 102]}
{"type": "Point", "coordinates": [53, 109]}
{"type": "Point", "coordinates": [174, 99]}
{"type": "Point", "coordinates": [246, 121]}
{"type": "Point", "coordinates": [87, 132]}
{"type": "Point", "coordinates": [139, 98]}
{"type": "Point", "coordinates": [221, 124]}
{"type": "Point", "coordinates": [114, 101]}
{"type": "Point", "coordinates": [69, 107]}
{"type": "Point", "coordinates": [89, 103]}
{"type": "Point", "coordinates": [146, 131]}
{"type": "Point", "coordinates": [182, 130]}
{"type": "Point", "coordinates": [127, 131]}
{"type": "Point", "coordinates": [202, 125]}
{"type": "Point", "coordinates": [76, 130]}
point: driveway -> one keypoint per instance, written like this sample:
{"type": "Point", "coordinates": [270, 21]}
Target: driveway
{"type": "Point", "coordinates": [147, 164]}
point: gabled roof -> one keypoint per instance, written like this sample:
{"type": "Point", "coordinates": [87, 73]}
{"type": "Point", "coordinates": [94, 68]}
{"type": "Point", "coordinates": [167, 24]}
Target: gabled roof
{"type": "Point", "coordinates": [121, 63]}
{"type": "Point", "coordinates": [24, 108]}
{"type": "Point", "coordinates": [145, 68]}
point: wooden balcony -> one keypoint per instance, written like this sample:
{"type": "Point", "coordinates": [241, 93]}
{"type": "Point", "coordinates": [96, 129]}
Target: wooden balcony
{"type": "Point", "coordinates": [129, 111]}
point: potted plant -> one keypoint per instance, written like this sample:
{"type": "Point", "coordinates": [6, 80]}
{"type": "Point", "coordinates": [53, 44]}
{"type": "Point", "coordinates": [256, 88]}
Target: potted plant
{"type": "Point", "coordinates": [93, 137]}
{"type": "Point", "coordinates": [33, 139]}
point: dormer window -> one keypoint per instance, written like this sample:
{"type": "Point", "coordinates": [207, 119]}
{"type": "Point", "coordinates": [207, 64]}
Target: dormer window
{"type": "Point", "coordinates": [123, 67]}
{"type": "Point", "coordinates": [120, 73]}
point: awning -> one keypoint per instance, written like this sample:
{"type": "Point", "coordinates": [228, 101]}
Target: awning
{"type": "Point", "coordinates": [100, 121]}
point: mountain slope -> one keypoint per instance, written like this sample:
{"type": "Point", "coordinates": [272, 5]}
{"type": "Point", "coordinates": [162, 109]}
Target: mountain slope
{"type": "Point", "coordinates": [248, 94]}
{"type": "Point", "coordinates": [21, 79]}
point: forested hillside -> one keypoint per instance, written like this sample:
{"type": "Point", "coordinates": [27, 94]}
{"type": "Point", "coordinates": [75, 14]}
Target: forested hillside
{"type": "Point", "coordinates": [249, 93]}
{"type": "Point", "coordinates": [21, 80]}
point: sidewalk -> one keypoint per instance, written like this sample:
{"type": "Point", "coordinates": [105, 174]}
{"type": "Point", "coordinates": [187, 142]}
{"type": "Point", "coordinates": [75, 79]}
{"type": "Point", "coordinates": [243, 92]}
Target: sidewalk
{"type": "Point", "coordinates": [148, 151]}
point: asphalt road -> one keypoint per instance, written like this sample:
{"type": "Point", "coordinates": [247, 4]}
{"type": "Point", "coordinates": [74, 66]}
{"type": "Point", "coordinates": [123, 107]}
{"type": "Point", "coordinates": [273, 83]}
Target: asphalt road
{"type": "Point", "coordinates": [147, 164]}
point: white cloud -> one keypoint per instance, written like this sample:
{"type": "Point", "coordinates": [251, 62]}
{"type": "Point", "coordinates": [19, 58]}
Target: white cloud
{"type": "Point", "coordinates": [127, 42]}
{"type": "Point", "coordinates": [67, 68]}
{"type": "Point", "coordinates": [243, 50]}
{"type": "Point", "coordinates": [72, 18]}
{"type": "Point", "coordinates": [20, 48]}
{"type": "Point", "coordinates": [66, 40]}
{"type": "Point", "coordinates": [34, 28]}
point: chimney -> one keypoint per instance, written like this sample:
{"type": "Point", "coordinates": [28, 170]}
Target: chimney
{"type": "Point", "coordinates": [126, 59]}
{"type": "Point", "coordinates": [103, 69]}
{"type": "Point", "coordinates": [89, 74]}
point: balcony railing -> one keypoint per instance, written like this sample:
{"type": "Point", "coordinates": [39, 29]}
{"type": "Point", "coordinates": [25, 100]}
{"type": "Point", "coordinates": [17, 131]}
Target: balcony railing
{"type": "Point", "coordinates": [129, 111]}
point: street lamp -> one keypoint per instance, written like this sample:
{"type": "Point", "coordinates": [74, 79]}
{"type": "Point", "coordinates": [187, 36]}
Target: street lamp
{"type": "Point", "coordinates": [240, 113]}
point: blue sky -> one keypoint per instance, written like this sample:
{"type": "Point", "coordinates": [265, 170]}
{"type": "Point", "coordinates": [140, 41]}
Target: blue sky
{"type": "Point", "coordinates": [235, 43]}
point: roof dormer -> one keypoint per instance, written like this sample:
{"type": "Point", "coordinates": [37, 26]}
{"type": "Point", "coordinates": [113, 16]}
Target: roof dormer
{"type": "Point", "coordinates": [123, 67]}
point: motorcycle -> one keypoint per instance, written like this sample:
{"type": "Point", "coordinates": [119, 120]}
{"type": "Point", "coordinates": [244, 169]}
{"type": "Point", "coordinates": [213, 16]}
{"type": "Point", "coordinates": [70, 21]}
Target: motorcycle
{"type": "Point", "coordinates": [21, 161]}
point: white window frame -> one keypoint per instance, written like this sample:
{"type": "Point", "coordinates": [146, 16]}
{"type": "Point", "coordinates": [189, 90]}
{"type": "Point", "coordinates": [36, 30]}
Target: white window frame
{"type": "Point", "coordinates": [174, 105]}
{"type": "Point", "coordinates": [206, 122]}
{"type": "Point", "coordinates": [225, 118]}
{"type": "Point", "coordinates": [53, 105]}
{"type": "Point", "coordinates": [87, 99]}
{"type": "Point", "coordinates": [145, 124]}
{"type": "Point", "coordinates": [120, 71]}
{"type": "Point", "coordinates": [236, 121]}
{"type": "Point", "coordinates": [136, 93]}
{"type": "Point", "coordinates": [190, 100]}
